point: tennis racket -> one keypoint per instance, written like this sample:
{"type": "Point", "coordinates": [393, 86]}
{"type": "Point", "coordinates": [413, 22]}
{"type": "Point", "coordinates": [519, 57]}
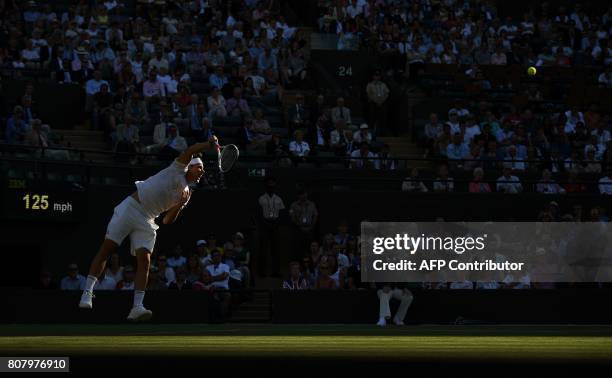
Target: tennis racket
{"type": "Point", "coordinates": [227, 156]}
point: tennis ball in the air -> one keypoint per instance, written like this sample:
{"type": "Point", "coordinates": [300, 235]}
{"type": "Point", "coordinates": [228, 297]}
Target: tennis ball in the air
{"type": "Point", "coordinates": [531, 71]}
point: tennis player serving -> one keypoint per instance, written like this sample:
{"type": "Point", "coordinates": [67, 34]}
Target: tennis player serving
{"type": "Point", "coordinates": [167, 191]}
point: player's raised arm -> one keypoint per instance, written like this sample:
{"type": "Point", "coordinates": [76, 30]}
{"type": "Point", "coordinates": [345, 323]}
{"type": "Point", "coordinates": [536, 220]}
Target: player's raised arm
{"type": "Point", "coordinates": [185, 156]}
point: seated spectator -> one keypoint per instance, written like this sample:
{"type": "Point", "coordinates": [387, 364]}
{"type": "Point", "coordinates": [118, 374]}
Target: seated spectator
{"type": "Point", "coordinates": [453, 122]}
{"type": "Point", "coordinates": [45, 281]}
{"type": "Point", "coordinates": [249, 140]}
{"type": "Point", "coordinates": [386, 161]}
{"type": "Point", "coordinates": [298, 114]}
{"type": "Point", "coordinates": [175, 144]}
{"type": "Point", "coordinates": [275, 147]}
{"type": "Point", "coordinates": [340, 112]}
{"type": "Point", "coordinates": [363, 157]}
{"type": "Point", "coordinates": [36, 138]}
{"type": "Point", "coordinates": [499, 57]}
{"type": "Point", "coordinates": [114, 269]}
{"type": "Point", "coordinates": [219, 271]}
{"type": "Point", "coordinates": [220, 281]}
{"type": "Point", "coordinates": [472, 129]}
{"type": "Point", "coordinates": [413, 183]}
{"type": "Point", "coordinates": [590, 164]}
{"type": "Point", "coordinates": [218, 79]}
{"type": "Point", "coordinates": [547, 185]}
{"type": "Point", "coordinates": [573, 185]}
{"type": "Point", "coordinates": [228, 256]}
{"type": "Point", "coordinates": [204, 282]}
{"type": "Point", "coordinates": [237, 106]}
{"type": "Point", "coordinates": [177, 259]}
{"type": "Point", "coordinates": [474, 158]}
{"type": "Point", "coordinates": [193, 268]}
{"type": "Point", "coordinates": [267, 60]}
{"type": "Point", "coordinates": [200, 123]}
{"type": "Point", "coordinates": [602, 135]}
{"type": "Point", "coordinates": [251, 92]}
{"type": "Point", "coordinates": [137, 109]}
{"type": "Point", "coordinates": [261, 126]}
{"type": "Point", "coordinates": [64, 72]}
{"type": "Point", "coordinates": [296, 280]}
{"type": "Point", "coordinates": [504, 135]}
{"type": "Point", "coordinates": [325, 281]}
{"type": "Point", "coordinates": [160, 137]}
{"type": "Point", "coordinates": [477, 185]}
{"type": "Point", "coordinates": [507, 183]}
{"type": "Point", "coordinates": [298, 148]}
{"type": "Point", "coordinates": [242, 258]}
{"type": "Point", "coordinates": [166, 273]}
{"type": "Point", "coordinates": [572, 117]}
{"type": "Point", "coordinates": [605, 184]}
{"type": "Point", "coordinates": [443, 183]}
{"type": "Point", "coordinates": [16, 127]}
{"type": "Point", "coordinates": [337, 140]}
{"type": "Point", "coordinates": [202, 253]}
{"type": "Point", "coordinates": [513, 160]}
{"type": "Point", "coordinates": [433, 131]}
{"type": "Point", "coordinates": [31, 55]}
{"type": "Point", "coordinates": [214, 58]}
{"type": "Point", "coordinates": [211, 246]}
{"type": "Point", "coordinates": [216, 104]}
{"type": "Point", "coordinates": [152, 88]}
{"type": "Point", "coordinates": [363, 134]}
{"type": "Point", "coordinates": [127, 137]}
{"type": "Point", "coordinates": [154, 281]}
{"type": "Point", "coordinates": [458, 150]}
{"type": "Point", "coordinates": [351, 145]}
{"type": "Point", "coordinates": [181, 282]}
{"type": "Point", "coordinates": [127, 282]}
{"type": "Point", "coordinates": [74, 280]}
{"type": "Point", "coordinates": [105, 283]}
{"type": "Point", "coordinates": [169, 83]}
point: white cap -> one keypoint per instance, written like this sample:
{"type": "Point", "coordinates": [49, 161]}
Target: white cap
{"type": "Point", "coordinates": [196, 161]}
{"type": "Point", "coordinates": [363, 126]}
{"type": "Point", "coordinates": [200, 242]}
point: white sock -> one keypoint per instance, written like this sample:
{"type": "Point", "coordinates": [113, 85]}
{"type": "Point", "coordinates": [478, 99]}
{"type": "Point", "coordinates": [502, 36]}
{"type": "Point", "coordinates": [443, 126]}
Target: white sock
{"type": "Point", "coordinates": [138, 297]}
{"type": "Point", "coordinates": [91, 281]}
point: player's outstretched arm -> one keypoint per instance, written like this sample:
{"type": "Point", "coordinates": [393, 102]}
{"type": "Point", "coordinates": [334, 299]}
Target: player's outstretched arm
{"type": "Point", "coordinates": [185, 156]}
{"type": "Point", "coordinates": [174, 212]}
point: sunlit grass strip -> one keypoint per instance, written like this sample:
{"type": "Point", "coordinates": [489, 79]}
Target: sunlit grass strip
{"type": "Point", "coordinates": [461, 347]}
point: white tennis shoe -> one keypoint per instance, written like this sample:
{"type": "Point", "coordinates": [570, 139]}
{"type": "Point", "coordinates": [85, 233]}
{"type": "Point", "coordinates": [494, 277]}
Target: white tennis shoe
{"type": "Point", "coordinates": [382, 322]}
{"type": "Point", "coordinates": [140, 314]}
{"type": "Point", "coordinates": [397, 321]}
{"type": "Point", "coordinates": [86, 299]}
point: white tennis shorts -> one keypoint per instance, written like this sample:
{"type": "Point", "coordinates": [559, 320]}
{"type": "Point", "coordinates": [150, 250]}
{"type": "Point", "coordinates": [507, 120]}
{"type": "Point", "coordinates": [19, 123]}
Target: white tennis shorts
{"type": "Point", "coordinates": [129, 218]}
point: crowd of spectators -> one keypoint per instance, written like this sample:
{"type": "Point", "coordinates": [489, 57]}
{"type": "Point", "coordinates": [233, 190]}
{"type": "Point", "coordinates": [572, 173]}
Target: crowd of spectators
{"type": "Point", "coordinates": [171, 70]}
{"type": "Point", "coordinates": [536, 142]}
{"type": "Point", "coordinates": [334, 261]}
{"type": "Point", "coordinates": [211, 267]}
{"type": "Point", "coordinates": [458, 32]}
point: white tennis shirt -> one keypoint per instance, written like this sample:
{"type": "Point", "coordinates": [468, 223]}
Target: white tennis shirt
{"type": "Point", "coordinates": [163, 190]}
